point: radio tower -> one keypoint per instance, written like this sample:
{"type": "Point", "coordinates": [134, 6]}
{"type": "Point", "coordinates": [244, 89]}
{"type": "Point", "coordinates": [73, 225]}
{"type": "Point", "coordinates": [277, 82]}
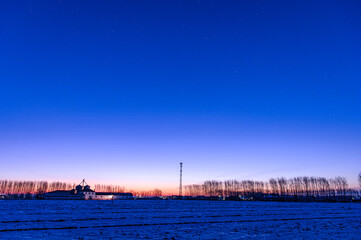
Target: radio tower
{"type": "Point", "coordinates": [180, 179]}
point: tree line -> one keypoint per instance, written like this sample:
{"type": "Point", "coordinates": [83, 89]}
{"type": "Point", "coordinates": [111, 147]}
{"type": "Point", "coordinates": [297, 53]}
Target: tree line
{"type": "Point", "coordinates": [8, 187]}
{"type": "Point", "coordinates": [297, 186]}
{"type": "Point", "coordinates": [151, 193]}
{"type": "Point", "coordinates": [109, 188]}
{"type": "Point", "coordinates": [119, 189]}
{"type": "Point", "coordinates": [16, 187]}
{"type": "Point", "coordinates": [31, 187]}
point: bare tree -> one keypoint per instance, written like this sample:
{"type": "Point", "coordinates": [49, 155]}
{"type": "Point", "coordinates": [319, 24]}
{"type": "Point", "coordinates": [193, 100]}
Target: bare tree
{"type": "Point", "coordinates": [157, 192]}
{"type": "Point", "coordinates": [282, 183]}
{"type": "Point", "coordinates": [306, 184]}
{"type": "Point", "coordinates": [274, 186]}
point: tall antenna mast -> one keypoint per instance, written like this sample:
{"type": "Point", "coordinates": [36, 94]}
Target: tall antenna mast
{"type": "Point", "coordinates": [180, 179]}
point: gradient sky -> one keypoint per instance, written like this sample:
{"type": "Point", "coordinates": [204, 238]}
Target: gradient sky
{"type": "Point", "coordinates": [122, 91]}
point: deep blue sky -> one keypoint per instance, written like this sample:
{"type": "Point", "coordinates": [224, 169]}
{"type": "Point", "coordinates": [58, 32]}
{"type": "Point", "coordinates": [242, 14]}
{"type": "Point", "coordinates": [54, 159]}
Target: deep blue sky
{"type": "Point", "coordinates": [121, 91]}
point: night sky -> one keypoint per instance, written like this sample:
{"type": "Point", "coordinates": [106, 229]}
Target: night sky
{"type": "Point", "coordinates": [121, 91]}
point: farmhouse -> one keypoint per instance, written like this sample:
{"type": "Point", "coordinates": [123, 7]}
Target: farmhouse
{"type": "Point", "coordinates": [63, 195]}
{"type": "Point", "coordinates": [84, 192]}
{"type": "Point", "coordinates": [115, 196]}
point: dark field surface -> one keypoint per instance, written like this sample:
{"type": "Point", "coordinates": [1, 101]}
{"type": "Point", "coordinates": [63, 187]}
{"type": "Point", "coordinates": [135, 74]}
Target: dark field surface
{"type": "Point", "coordinates": [178, 220]}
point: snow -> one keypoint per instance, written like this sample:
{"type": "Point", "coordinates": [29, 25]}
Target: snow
{"type": "Point", "coordinates": [176, 219]}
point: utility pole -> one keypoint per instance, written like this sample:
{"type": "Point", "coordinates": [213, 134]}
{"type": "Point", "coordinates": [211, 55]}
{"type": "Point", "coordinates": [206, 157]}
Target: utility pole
{"type": "Point", "coordinates": [180, 180]}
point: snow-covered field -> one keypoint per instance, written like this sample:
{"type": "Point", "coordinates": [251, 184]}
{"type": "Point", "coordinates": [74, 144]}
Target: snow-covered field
{"type": "Point", "coordinates": [178, 220]}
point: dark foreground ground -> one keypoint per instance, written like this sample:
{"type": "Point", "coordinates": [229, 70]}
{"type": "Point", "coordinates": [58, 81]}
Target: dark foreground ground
{"type": "Point", "coordinates": [178, 220]}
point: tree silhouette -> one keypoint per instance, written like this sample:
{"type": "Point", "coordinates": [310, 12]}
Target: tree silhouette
{"type": "Point", "coordinates": [298, 187]}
